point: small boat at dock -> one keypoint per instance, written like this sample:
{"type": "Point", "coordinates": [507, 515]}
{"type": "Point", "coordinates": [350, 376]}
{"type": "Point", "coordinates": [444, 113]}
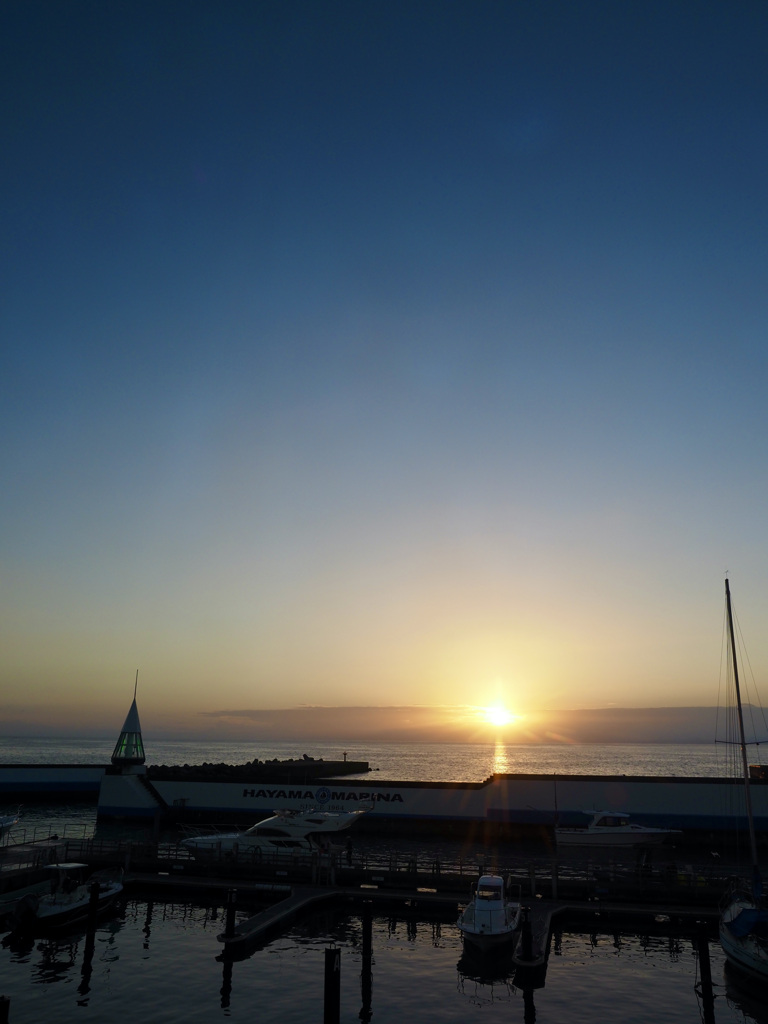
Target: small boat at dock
{"type": "Point", "coordinates": [612, 828]}
{"type": "Point", "coordinates": [490, 919]}
{"type": "Point", "coordinates": [71, 897]}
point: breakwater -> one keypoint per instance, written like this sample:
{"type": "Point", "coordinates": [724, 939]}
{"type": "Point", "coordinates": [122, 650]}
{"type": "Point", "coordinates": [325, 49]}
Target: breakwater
{"type": "Point", "coordinates": [505, 803]}
{"type": "Point", "coordinates": [47, 783]}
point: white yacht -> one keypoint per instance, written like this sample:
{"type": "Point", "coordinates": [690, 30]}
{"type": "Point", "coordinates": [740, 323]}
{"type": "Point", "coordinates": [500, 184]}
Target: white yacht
{"type": "Point", "coordinates": [286, 832]}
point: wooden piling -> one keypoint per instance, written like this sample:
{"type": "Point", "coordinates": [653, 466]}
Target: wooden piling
{"type": "Point", "coordinates": [231, 908]}
{"type": "Point", "coordinates": [332, 988]}
{"type": "Point", "coordinates": [93, 902]}
{"type": "Point", "coordinates": [526, 940]}
{"type": "Point", "coordinates": [366, 975]}
{"type": "Point", "coordinates": [705, 969]}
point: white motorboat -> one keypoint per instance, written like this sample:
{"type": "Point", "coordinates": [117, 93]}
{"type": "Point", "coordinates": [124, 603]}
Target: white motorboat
{"type": "Point", "coordinates": [491, 917]}
{"type": "Point", "coordinates": [72, 896]}
{"type": "Point", "coordinates": [286, 832]}
{"type": "Point", "coordinates": [10, 899]}
{"type": "Point", "coordinates": [612, 828]}
{"type": "Point", "coordinates": [744, 918]}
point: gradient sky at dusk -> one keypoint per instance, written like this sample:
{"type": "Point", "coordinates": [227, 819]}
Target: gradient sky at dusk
{"type": "Point", "coordinates": [362, 353]}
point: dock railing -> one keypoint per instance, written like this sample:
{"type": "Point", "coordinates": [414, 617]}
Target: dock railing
{"type": "Point", "coordinates": [23, 834]}
{"type": "Point", "coordinates": [30, 848]}
{"type": "Point", "coordinates": [584, 878]}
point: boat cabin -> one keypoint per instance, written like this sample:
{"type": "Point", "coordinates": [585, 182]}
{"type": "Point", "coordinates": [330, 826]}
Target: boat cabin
{"type": "Point", "coordinates": [608, 819]}
{"type": "Point", "coordinates": [67, 878]}
{"type": "Point", "coordinates": [490, 888]}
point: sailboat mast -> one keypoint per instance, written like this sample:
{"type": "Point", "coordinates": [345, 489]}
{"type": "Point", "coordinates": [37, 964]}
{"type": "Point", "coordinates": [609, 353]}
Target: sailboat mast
{"type": "Point", "coordinates": [742, 736]}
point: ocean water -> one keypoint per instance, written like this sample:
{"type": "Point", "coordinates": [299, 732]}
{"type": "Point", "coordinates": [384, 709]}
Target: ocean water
{"type": "Point", "coordinates": [441, 762]}
{"type": "Point", "coordinates": [160, 962]}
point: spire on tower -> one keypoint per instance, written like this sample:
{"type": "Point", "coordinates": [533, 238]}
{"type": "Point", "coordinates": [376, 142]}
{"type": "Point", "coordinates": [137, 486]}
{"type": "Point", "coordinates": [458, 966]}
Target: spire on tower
{"type": "Point", "coordinates": [129, 748]}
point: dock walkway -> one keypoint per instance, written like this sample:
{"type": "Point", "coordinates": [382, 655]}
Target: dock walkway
{"type": "Point", "coordinates": [531, 944]}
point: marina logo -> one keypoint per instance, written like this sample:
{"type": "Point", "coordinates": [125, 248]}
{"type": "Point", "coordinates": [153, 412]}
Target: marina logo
{"type": "Point", "coordinates": [323, 795]}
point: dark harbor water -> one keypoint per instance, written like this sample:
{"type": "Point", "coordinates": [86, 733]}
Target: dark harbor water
{"type": "Point", "coordinates": [161, 963]}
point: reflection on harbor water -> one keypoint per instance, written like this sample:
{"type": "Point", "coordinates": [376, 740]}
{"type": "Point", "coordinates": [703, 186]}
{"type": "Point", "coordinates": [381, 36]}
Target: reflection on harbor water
{"type": "Point", "coordinates": [161, 962]}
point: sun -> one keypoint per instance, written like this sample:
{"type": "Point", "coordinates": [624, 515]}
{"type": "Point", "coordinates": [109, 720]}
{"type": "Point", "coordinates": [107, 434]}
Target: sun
{"type": "Point", "coordinates": [498, 715]}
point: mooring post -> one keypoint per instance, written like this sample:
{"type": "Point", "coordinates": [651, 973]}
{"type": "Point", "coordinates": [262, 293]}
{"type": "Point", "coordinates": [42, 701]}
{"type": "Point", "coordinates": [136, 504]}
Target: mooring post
{"type": "Point", "coordinates": [87, 969]}
{"type": "Point", "coordinates": [231, 905]}
{"type": "Point", "coordinates": [526, 939]}
{"type": "Point", "coordinates": [705, 968]}
{"type": "Point", "coordinates": [5, 1007]}
{"type": "Point", "coordinates": [366, 975]}
{"type": "Point", "coordinates": [332, 990]}
{"type": "Point", "coordinates": [367, 933]}
{"type": "Point", "coordinates": [226, 985]}
{"type": "Point", "coordinates": [529, 1007]}
{"type": "Point", "coordinates": [93, 901]}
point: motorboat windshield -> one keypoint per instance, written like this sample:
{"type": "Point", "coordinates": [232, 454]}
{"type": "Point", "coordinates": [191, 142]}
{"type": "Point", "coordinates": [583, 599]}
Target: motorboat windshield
{"type": "Point", "coordinates": [489, 892]}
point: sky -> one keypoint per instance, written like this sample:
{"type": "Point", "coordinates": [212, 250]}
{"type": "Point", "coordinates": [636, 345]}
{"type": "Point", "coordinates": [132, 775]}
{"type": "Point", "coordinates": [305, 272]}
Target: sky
{"type": "Point", "coordinates": [367, 355]}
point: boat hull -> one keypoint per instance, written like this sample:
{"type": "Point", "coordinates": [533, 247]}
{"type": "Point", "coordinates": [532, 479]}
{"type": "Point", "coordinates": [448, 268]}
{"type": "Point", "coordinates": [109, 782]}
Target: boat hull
{"type": "Point", "coordinates": [486, 942]}
{"type": "Point", "coordinates": [745, 954]}
{"type": "Point", "coordinates": [59, 910]}
{"type": "Point", "coordinates": [746, 947]}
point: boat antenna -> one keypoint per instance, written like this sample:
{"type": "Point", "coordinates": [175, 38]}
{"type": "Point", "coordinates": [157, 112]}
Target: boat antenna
{"type": "Point", "coordinates": [136, 684]}
{"type": "Point", "coordinates": [742, 737]}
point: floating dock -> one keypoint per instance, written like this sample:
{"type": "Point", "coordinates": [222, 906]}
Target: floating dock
{"type": "Point", "coordinates": [530, 946]}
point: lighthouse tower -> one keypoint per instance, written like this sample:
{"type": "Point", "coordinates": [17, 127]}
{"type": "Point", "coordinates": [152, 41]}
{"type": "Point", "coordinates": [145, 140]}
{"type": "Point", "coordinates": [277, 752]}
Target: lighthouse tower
{"type": "Point", "coordinates": [129, 749]}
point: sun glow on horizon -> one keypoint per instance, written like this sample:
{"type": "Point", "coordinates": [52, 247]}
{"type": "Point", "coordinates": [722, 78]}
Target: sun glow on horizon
{"type": "Point", "coordinates": [498, 715]}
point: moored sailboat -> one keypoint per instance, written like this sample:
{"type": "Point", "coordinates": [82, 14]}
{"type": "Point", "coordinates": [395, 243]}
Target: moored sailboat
{"type": "Point", "coordinates": [744, 918]}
